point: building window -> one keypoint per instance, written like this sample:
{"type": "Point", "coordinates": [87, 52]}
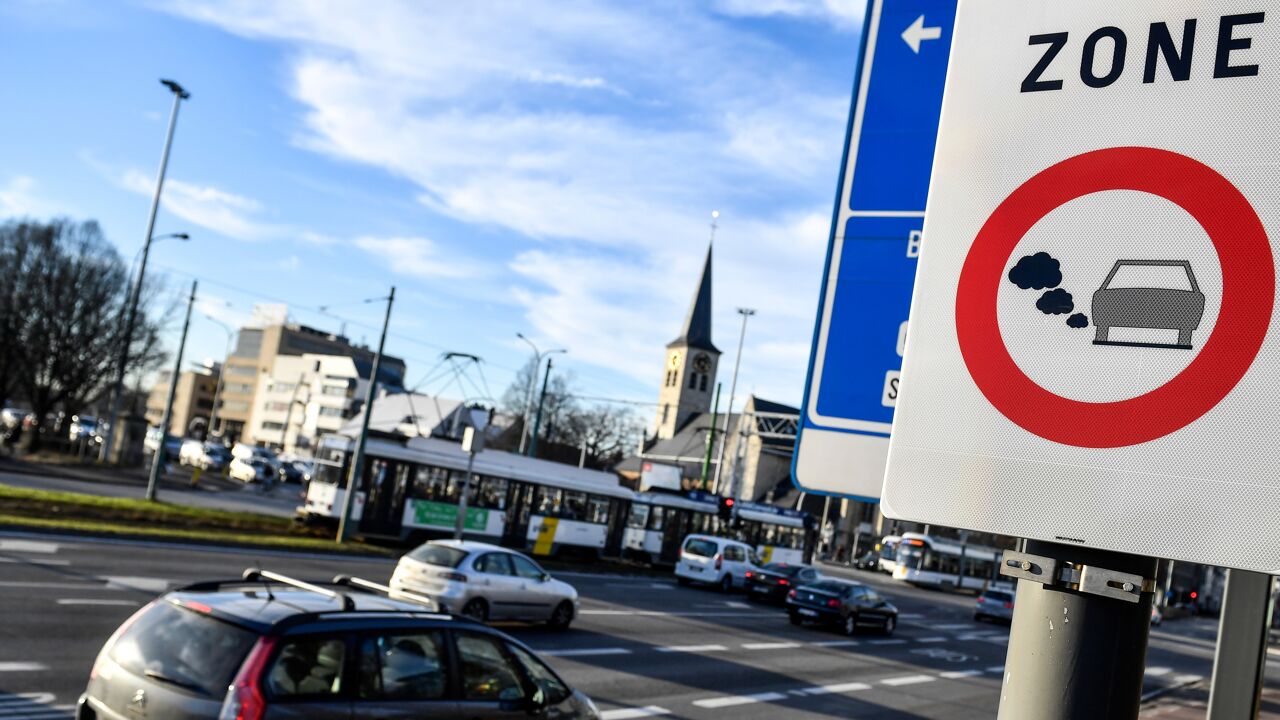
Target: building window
{"type": "Point", "coordinates": [702, 384]}
{"type": "Point", "coordinates": [665, 408]}
{"type": "Point", "coordinates": [241, 370]}
{"type": "Point", "coordinates": [277, 406]}
{"type": "Point", "coordinates": [281, 387]}
{"type": "Point", "coordinates": [272, 426]}
{"type": "Point", "coordinates": [238, 388]}
{"type": "Point", "coordinates": [693, 381]}
{"type": "Point", "coordinates": [339, 390]}
{"type": "Point", "coordinates": [233, 406]}
{"type": "Point", "coordinates": [331, 411]}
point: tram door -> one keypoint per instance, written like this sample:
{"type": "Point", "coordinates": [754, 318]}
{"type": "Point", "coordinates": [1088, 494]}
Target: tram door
{"type": "Point", "coordinates": [618, 512]}
{"type": "Point", "coordinates": [674, 527]}
{"type": "Point", "coordinates": [519, 502]}
{"type": "Point", "coordinates": [386, 487]}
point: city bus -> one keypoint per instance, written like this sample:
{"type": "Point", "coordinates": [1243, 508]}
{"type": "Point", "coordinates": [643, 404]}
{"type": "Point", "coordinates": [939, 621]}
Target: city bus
{"type": "Point", "coordinates": [658, 522]}
{"type": "Point", "coordinates": [887, 548]}
{"type": "Point", "coordinates": [410, 487]}
{"type": "Point", "coordinates": [945, 563]}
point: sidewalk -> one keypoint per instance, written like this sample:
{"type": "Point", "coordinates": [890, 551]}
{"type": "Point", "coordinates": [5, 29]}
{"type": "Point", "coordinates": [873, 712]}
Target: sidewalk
{"type": "Point", "coordinates": [1192, 703]}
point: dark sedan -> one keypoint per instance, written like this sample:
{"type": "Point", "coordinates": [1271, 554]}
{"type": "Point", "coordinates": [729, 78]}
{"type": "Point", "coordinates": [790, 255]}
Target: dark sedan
{"type": "Point", "coordinates": [772, 582]}
{"type": "Point", "coordinates": [845, 605]}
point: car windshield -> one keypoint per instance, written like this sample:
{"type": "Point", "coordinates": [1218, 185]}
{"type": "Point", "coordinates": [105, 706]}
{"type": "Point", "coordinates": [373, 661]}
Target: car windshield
{"type": "Point", "coordinates": [700, 547]}
{"type": "Point", "coordinates": [999, 595]}
{"type": "Point", "coordinates": [183, 647]}
{"type": "Point", "coordinates": [784, 569]}
{"type": "Point", "coordinates": [441, 555]}
{"type": "Point", "coordinates": [1173, 277]}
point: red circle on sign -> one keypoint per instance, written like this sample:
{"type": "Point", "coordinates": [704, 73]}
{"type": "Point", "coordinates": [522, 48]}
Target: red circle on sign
{"type": "Point", "coordinates": [1248, 295]}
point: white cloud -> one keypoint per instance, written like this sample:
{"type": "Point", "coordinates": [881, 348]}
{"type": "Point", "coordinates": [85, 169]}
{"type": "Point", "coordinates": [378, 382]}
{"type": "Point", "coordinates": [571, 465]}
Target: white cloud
{"type": "Point", "coordinates": [289, 264]}
{"type": "Point", "coordinates": [17, 198]}
{"type": "Point", "coordinates": [415, 256]}
{"type": "Point", "coordinates": [842, 13]}
{"type": "Point", "coordinates": [207, 206]}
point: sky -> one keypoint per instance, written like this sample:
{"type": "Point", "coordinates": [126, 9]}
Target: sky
{"type": "Point", "coordinates": [538, 167]}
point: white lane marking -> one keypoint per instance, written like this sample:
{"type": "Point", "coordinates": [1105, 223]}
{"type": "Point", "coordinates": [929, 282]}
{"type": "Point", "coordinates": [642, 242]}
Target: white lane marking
{"type": "Point", "coordinates": [145, 584]}
{"type": "Point", "coordinates": [770, 645]}
{"type": "Point", "coordinates": [1181, 679]}
{"type": "Point", "coordinates": [977, 636]}
{"type": "Point", "coordinates": [662, 586]}
{"type": "Point", "coordinates": [22, 667]}
{"type": "Point", "coordinates": [841, 688]}
{"type": "Point", "coordinates": [738, 605]}
{"type": "Point", "coordinates": [998, 669]}
{"type": "Point", "coordinates": [662, 613]}
{"type": "Point", "coordinates": [952, 626]}
{"type": "Point", "coordinates": [28, 546]}
{"type": "Point", "coordinates": [630, 713]}
{"type": "Point", "coordinates": [1158, 671]}
{"type": "Point", "coordinates": [907, 680]}
{"type": "Point", "coordinates": [52, 585]}
{"type": "Point", "coordinates": [909, 616]}
{"type": "Point", "coordinates": [887, 642]}
{"type": "Point", "coordinates": [954, 674]}
{"type": "Point", "coordinates": [835, 643]}
{"type": "Point", "coordinates": [25, 561]}
{"type": "Point", "coordinates": [38, 698]}
{"type": "Point", "coordinates": [575, 652]}
{"type": "Point", "coordinates": [931, 640]}
{"type": "Point", "coordinates": [94, 601]}
{"type": "Point", "coordinates": [692, 648]}
{"type": "Point", "coordinates": [37, 713]}
{"type": "Point", "coordinates": [732, 700]}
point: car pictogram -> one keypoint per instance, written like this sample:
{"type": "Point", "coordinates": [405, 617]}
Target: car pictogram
{"type": "Point", "coordinates": [1116, 304]}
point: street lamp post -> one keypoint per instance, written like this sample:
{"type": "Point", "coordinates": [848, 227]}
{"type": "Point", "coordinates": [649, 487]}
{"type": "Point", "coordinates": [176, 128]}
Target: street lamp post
{"type": "Point", "coordinates": [158, 460]}
{"type": "Point", "coordinates": [733, 387]}
{"type": "Point", "coordinates": [533, 383]}
{"type": "Point", "coordinates": [222, 369]}
{"type": "Point", "coordinates": [179, 94]}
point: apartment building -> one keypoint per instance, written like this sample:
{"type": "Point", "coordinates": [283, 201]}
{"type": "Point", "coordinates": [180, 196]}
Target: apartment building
{"type": "Point", "coordinates": [192, 403]}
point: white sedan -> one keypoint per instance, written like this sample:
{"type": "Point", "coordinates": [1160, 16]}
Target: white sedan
{"type": "Point", "coordinates": [248, 471]}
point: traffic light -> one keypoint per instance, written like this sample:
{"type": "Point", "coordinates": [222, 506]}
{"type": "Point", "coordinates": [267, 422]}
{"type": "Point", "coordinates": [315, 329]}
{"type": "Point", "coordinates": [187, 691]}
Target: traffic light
{"type": "Point", "coordinates": [726, 509]}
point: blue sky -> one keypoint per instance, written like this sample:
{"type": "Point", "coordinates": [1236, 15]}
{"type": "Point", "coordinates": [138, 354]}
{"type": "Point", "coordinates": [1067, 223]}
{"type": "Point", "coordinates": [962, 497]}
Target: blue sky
{"type": "Point", "coordinates": [538, 167]}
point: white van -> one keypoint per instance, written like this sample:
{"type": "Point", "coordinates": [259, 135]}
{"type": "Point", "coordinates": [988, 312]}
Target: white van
{"type": "Point", "coordinates": [715, 561]}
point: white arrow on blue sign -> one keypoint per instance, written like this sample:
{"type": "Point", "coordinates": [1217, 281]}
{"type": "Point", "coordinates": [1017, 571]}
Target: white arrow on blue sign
{"type": "Point", "coordinates": [852, 383]}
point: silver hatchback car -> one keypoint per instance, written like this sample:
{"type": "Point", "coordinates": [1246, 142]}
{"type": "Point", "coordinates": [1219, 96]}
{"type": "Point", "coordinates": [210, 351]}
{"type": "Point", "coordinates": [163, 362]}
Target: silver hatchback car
{"type": "Point", "coordinates": [486, 582]}
{"type": "Point", "coordinates": [995, 605]}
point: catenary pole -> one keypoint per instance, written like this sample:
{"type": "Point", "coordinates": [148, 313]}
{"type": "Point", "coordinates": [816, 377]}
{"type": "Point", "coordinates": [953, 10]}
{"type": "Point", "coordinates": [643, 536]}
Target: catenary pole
{"type": "Point", "coordinates": [1240, 659]}
{"type": "Point", "coordinates": [158, 459]}
{"type": "Point", "coordinates": [733, 388]}
{"type": "Point", "coordinates": [1077, 655]}
{"type": "Point", "coordinates": [357, 463]}
{"type": "Point", "coordinates": [537, 422]}
{"type": "Point", "coordinates": [122, 362]}
{"type": "Point", "coordinates": [711, 440]}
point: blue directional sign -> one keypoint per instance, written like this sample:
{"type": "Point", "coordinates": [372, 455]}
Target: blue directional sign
{"type": "Point", "coordinates": [852, 385]}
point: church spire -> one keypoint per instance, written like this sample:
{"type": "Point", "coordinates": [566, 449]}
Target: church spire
{"type": "Point", "coordinates": [697, 324]}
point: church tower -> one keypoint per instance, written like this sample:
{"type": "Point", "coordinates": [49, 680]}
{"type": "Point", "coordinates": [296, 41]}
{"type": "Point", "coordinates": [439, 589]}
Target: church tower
{"type": "Point", "coordinates": [689, 369]}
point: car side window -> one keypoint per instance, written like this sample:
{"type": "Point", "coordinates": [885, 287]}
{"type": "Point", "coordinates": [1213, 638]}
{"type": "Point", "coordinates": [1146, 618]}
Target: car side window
{"type": "Point", "coordinates": [403, 667]}
{"type": "Point", "coordinates": [553, 690]}
{"type": "Point", "coordinates": [526, 569]}
{"type": "Point", "coordinates": [733, 553]}
{"type": "Point", "coordinates": [872, 597]}
{"type": "Point", "coordinates": [807, 575]}
{"type": "Point", "coordinates": [487, 673]}
{"type": "Point", "coordinates": [307, 667]}
{"type": "Point", "coordinates": [495, 564]}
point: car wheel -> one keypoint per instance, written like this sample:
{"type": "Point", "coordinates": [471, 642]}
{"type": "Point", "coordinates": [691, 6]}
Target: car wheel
{"type": "Point", "coordinates": [890, 624]}
{"type": "Point", "coordinates": [850, 626]}
{"type": "Point", "coordinates": [795, 618]}
{"type": "Point", "coordinates": [476, 609]}
{"type": "Point", "coordinates": [562, 616]}
{"type": "Point", "coordinates": [726, 584]}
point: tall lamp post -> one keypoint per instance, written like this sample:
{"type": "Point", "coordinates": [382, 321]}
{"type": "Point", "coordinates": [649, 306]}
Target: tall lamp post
{"type": "Point", "coordinates": [117, 393]}
{"type": "Point", "coordinates": [158, 460]}
{"type": "Point", "coordinates": [733, 388]}
{"type": "Point", "coordinates": [222, 369]}
{"type": "Point", "coordinates": [533, 383]}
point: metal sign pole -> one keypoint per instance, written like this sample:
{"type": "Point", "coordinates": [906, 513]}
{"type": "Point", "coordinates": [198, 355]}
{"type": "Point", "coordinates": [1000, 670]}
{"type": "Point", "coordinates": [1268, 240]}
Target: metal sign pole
{"type": "Point", "coordinates": [1240, 660]}
{"type": "Point", "coordinates": [1077, 650]}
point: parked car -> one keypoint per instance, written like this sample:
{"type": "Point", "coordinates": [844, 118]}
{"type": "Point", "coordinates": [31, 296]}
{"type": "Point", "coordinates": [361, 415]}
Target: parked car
{"type": "Point", "coordinates": [82, 427]}
{"type": "Point", "coordinates": [994, 604]}
{"type": "Point", "coordinates": [190, 452]}
{"type": "Point", "coordinates": [214, 456]}
{"type": "Point", "coordinates": [772, 582]}
{"type": "Point", "coordinates": [845, 605]}
{"type": "Point", "coordinates": [486, 582]}
{"type": "Point", "coordinates": [868, 561]}
{"type": "Point", "coordinates": [715, 561]}
{"type": "Point", "coordinates": [252, 470]}
{"type": "Point", "coordinates": [294, 471]}
{"type": "Point", "coordinates": [172, 444]}
{"type": "Point", "coordinates": [270, 647]}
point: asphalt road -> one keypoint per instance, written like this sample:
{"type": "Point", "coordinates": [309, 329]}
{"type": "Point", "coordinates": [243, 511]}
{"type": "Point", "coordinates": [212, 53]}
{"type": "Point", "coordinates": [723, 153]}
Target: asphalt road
{"type": "Point", "coordinates": [643, 647]}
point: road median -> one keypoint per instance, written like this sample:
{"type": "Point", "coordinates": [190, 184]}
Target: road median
{"type": "Point", "coordinates": [126, 517]}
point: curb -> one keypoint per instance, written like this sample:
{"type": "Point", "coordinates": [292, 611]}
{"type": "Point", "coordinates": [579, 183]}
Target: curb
{"type": "Point", "coordinates": [1161, 692]}
{"type": "Point", "coordinates": [180, 543]}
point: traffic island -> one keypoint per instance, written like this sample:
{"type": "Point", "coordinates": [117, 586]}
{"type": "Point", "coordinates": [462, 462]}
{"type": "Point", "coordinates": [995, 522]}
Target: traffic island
{"type": "Point", "coordinates": [46, 510]}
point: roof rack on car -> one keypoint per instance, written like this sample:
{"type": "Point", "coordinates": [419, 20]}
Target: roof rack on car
{"type": "Point", "coordinates": [253, 574]}
{"type": "Point", "coordinates": [385, 590]}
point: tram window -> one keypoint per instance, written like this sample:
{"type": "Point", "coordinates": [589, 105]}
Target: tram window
{"type": "Point", "coordinates": [597, 510]}
{"type": "Point", "coordinates": [638, 517]}
{"type": "Point", "coordinates": [492, 493]}
{"type": "Point", "coordinates": [432, 483]}
{"type": "Point", "coordinates": [573, 505]}
{"type": "Point", "coordinates": [547, 501]}
{"type": "Point", "coordinates": [657, 518]}
{"type": "Point", "coordinates": [948, 564]}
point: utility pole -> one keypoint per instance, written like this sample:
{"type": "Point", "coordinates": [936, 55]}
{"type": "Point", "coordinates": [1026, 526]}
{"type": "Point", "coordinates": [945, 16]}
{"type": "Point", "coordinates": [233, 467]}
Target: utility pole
{"type": "Point", "coordinates": [733, 388]}
{"type": "Point", "coordinates": [117, 391]}
{"type": "Point", "coordinates": [1240, 659]}
{"type": "Point", "coordinates": [357, 463]}
{"type": "Point", "coordinates": [1078, 645]}
{"type": "Point", "coordinates": [158, 459]}
{"type": "Point", "coordinates": [533, 383]}
{"type": "Point", "coordinates": [222, 368]}
{"type": "Point", "coordinates": [537, 422]}
{"type": "Point", "coordinates": [472, 443]}
{"type": "Point", "coordinates": [711, 439]}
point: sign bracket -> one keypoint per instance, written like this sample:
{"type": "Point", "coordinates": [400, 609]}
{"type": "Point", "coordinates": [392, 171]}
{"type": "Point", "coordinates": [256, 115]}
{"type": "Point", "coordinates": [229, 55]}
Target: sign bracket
{"type": "Point", "coordinates": [1079, 577]}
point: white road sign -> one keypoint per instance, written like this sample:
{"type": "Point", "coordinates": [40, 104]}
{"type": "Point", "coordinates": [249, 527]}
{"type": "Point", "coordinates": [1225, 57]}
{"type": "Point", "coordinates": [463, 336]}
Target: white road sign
{"type": "Point", "coordinates": [1092, 356]}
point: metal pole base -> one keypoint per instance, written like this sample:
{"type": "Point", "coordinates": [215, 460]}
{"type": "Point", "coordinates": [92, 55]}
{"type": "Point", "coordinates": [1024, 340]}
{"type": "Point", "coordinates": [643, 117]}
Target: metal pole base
{"type": "Point", "coordinates": [1076, 655]}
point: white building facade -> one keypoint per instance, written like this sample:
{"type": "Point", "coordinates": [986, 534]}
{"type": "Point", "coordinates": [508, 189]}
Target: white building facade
{"type": "Point", "coordinates": [303, 398]}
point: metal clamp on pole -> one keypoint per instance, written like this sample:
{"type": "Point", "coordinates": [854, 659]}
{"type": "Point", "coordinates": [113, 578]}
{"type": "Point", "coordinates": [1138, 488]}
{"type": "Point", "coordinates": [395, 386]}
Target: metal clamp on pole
{"type": "Point", "coordinates": [1074, 576]}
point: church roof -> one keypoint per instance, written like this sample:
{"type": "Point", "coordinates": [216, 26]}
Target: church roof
{"type": "Point", "coordinates": [697, 324]}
